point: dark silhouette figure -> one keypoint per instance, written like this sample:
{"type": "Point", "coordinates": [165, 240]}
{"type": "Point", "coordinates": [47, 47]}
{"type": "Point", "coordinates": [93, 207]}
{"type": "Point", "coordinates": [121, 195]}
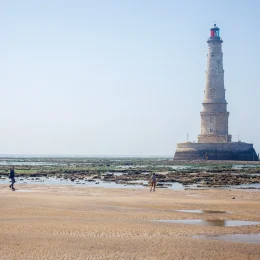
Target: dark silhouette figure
{"type": "Point", "coordinates": [12, 178]}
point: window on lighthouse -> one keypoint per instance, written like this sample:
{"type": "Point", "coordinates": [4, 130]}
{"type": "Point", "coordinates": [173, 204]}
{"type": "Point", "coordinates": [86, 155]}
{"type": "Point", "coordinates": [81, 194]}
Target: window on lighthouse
{"type": "Point", "coordinates": [214, 33]}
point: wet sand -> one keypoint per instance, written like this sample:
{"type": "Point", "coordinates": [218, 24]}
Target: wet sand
{"type": "Point", "coordinates": [69, 222]}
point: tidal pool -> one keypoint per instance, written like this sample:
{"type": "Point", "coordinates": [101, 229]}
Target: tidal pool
{"type": "Point", "coordinates": [243, 238]}
{"type": "Point", "coordinates": [201, 211]}
{"type": "Point", "coordinates": [246, 238]}
{"type": "Point", "coordinates": [29, 163]}
{"type": "Point", "coordinates": [215, 222]}
{"type": "Point", "coordinates": [137, 184]}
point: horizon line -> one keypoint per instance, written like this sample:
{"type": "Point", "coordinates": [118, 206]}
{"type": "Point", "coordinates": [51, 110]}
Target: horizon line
{"type": "Point", "coordinates": [83, 155]}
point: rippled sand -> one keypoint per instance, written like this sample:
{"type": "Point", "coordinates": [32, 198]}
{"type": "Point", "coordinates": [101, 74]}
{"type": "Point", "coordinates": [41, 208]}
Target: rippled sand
{"type": "Point", "coordinates": [41, 222]}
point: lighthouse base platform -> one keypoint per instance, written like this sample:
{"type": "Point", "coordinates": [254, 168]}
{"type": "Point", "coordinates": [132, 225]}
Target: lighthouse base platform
{"type": "Point", "coordinates": [235, 151]}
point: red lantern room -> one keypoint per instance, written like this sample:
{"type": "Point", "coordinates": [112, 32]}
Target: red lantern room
{"type": "Point", "coordinates": [214, 32]}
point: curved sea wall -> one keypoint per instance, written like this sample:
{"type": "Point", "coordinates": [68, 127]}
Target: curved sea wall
{"type": "Point", "coordinates": [216, 151]}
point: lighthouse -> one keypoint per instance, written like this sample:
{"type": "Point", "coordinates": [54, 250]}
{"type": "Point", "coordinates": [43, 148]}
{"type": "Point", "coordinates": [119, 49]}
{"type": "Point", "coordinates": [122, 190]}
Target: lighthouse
{"type": "Point", "coordinates": [214, 116]}
{"type": "Point", "coordinates": [214, 140]}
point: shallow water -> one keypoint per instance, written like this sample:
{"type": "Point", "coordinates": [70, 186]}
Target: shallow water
{"type": "Point", "coordinates": [117, 173]}
{"type": "Point", "coordinates": [216, 222]}
{"type": "Point", "coordinates": [242, 166]}
{"type": "Point", "coordinates": [244, 238]}
{"type": "Point", "coordinates": [29, 163]}
{"type": "Point", "coordinates": [174, 167]}
{"type": "Point", "coordinates": [57, 181]}
{"type": "Point", "coordinates": [201, 211]}
{"type": "Point", "coordinates": [247, 186]}
{"type": "Point", "coordinates": [255, 174]}
{"type": "Point", "coordinates": [137, 184]}
{"type": "Point", "coordinates": [189, 210]}
{"type": "Point", "coordinates": [174, 185]}
{"type": "Point", "coordinates": [132, 184]}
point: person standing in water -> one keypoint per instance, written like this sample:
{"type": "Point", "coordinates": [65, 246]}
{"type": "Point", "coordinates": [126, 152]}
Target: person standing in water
{"type": "Point", "coordinates": [153, 182]}
{"type": "Point", "coordinates": [12, 178]}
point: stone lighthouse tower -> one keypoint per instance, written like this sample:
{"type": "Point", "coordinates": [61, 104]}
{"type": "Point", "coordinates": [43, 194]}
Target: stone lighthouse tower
{"type": "Point", "coordinates": [214, 116]}
{"type": "Point", "coordinates": [214, 141]}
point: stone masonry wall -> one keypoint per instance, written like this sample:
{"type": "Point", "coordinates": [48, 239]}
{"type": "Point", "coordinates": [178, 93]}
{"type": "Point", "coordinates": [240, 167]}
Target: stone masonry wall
{"type": "Point", "coordinates": [214, 117]}
{"type": "Point", "coordinates": [216, 151]}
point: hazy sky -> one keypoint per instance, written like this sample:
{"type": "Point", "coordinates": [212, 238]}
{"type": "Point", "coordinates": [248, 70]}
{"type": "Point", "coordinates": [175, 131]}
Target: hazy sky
{"type": "Point", "coordinates": [121, 77]}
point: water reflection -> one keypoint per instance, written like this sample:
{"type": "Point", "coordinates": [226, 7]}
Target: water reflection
{"type": "Point", "coordinates": [215, 222]}
{"type": "Point", "coordinates": [244, 238]}
{"type": "Point", "coordinates": [201, 211]}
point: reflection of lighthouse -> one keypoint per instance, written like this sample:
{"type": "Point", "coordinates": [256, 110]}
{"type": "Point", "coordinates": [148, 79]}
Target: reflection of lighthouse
{"type": "Point", "coordinates": [214, 117]}
{"type": "Point", "coordinates": [215, 222]}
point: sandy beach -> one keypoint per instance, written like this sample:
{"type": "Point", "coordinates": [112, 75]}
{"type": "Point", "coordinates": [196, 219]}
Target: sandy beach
{"type": "Point", "coordinates": [70, 222]}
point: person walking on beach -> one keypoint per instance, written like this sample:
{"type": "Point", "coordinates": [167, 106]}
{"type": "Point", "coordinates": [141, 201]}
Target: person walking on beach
{"type": "Point", "coordinates": [153, 182]}
{"type": "Point", "coordinates": [11, 186]}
